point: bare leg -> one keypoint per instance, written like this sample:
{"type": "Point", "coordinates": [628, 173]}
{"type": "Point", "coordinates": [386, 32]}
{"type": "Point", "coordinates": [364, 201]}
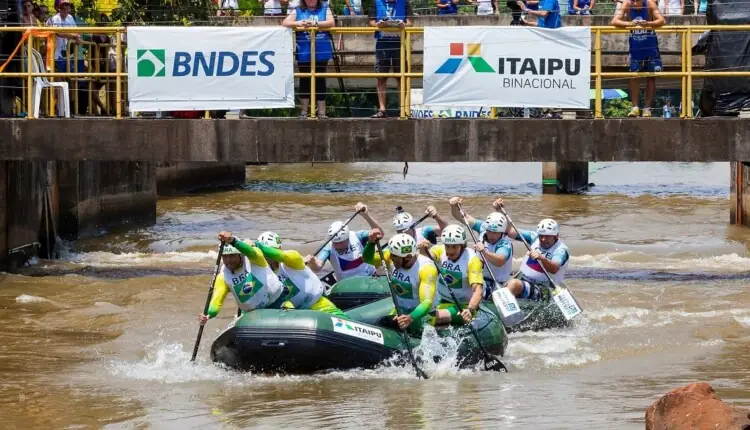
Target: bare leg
{"type": "Point", "coordinates": [650, 91]}
{"type": "Point", "coordinates": [635, 90]}
{"type": "Point", "coordinates": [382, 84]}
{"type": "Point", "coordinates": [304, 106]}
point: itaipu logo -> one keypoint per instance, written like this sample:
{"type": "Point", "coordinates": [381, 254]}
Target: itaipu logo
{"type": "Point", "coordinates": [151, 63]}
{"type": "Point", "coordinates": [457, 54]}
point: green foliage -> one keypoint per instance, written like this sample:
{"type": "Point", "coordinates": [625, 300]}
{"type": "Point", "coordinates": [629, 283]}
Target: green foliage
{"type": "Point", "coordinates": [617, 108]}
{"type": "Point", "coordinates": [164, 12]}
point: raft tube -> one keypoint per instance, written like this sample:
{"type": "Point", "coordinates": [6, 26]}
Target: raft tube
{"type": "Point", "coordinates": [360, 290]}
{"type": "Point", "coordinates": [305, 341]}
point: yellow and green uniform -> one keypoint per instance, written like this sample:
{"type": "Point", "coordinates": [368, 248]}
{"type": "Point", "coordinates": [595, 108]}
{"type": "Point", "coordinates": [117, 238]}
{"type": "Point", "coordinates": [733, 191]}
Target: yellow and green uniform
{"type": "Point", "coordinates": [415, 287]}
{"type": "Point", "coordinates": [253, 285]}
{"type": "Point", "coordinates": [303, 287]}
{"type": "Point", "coordinates": [459, 276]}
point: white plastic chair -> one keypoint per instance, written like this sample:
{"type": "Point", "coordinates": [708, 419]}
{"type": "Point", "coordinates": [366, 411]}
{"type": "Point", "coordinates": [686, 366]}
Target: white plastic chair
{"type": "Point", "coordinates": [63, 101]}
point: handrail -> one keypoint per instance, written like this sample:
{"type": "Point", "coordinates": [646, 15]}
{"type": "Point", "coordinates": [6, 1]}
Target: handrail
{"type": "Point", "coordinates": [686, 73]}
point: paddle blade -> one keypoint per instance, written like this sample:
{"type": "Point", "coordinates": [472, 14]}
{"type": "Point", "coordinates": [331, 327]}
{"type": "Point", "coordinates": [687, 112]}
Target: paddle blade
{"type": "Point", "coordinates": [506, 303]}
{"type": "Point", "coordinates": [567, 303]}
{"type": "Point", "coordinates": [420, 372]}
{"type": "Point", "coordinates": [494, 364]}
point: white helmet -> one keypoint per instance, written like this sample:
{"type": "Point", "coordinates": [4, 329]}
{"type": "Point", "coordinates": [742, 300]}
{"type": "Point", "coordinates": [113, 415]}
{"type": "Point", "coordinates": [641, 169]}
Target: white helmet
{"type": "Point", "coordinates": [338, 231]}
{"type": "Point", "coordinates": [496, 222]}
{"type": "Point", "coordinates": [402, 221]}
{"type": "Point", "coordinates": [454, 235]}
{"type": "Point", "coordinates": [270, 239]}
{"type": "Point", "coordinates": [548, 227]}
{"type": "Point", "coordinates": [230, 250]}
{"type": "Point", "coordinates": [402, 245]}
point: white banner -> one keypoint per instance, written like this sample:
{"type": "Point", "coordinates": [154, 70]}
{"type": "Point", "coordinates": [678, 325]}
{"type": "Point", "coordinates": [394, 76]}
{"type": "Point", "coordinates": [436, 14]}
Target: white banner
{"type": "Point", "coordinates": [507, 66]}
{"type": "Point", "coordinates": [420, 110]}
{"type": "Point", "coordinates": [210, 68]}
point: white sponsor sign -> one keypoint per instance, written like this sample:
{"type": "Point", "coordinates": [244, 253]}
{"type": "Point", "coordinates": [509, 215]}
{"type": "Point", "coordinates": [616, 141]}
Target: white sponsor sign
{"type": "Point", "coordinates": [507, 66]}
{"type": "Point", "coordinates": [420, 110]}
{"type": "Point", "coordinates": [207, 68]}
{"type": "Point", "coordinates": [357, 330]}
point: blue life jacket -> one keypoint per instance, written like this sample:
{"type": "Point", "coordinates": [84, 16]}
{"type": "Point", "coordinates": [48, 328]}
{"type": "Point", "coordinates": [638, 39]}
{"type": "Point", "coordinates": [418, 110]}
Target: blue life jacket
{"type": "Point", "coordinates": [323, 47]}
{"type": "Point", "coordinates": [643, 42]}
{"type": "Point", "coordinates": [391, 10]}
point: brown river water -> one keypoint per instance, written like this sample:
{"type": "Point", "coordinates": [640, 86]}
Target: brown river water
{"type": "Point", "coordinates": [104, 340]}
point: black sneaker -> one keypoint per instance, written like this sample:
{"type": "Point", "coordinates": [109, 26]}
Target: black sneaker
{"type": "Point", "coordinates": [380, 114]}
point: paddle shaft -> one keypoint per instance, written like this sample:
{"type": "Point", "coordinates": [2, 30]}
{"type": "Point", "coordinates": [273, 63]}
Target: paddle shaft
{"type": "Point", "coordinates": [419, 371]}
{"type": "Point", "coordinates": [528, 247]}
{"type": "Point", "coordinates": [487, 355]}
{"type": "Point", "coordinates": [337, 232]}
{"type": "Point", "coordinates": [208, 300]}
{"type": "Point", "coordinates": [419, 221]}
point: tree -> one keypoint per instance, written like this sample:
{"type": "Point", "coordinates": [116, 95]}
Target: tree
{"type": "Point", "coordinates": [617, 108]}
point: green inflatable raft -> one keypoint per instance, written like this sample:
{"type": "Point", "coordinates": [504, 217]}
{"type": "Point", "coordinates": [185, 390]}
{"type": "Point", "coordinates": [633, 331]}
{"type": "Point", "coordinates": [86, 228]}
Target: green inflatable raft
{"type": "Point", "coordinates": [304, 341]}
{"type": "Point", "coordinates": [360, 290]}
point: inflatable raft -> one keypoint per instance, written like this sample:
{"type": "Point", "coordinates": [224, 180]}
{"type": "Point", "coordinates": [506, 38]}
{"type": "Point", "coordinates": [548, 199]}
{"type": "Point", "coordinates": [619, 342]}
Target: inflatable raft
{"type": "Point", "coordinates": [358, 291]}
{"type": "Point", "coordinates": [304, 341]}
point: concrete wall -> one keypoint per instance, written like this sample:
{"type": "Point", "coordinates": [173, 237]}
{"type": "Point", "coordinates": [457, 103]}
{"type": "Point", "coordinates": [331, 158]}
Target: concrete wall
{"type": "Point", "coordinates": [22, 195]}
{"type": "Point", "coordinates": [177, 178]}
{"type": "Point", "coordinates": [96, 195]}
{"type": "Point", "coordinates": [291, 140]}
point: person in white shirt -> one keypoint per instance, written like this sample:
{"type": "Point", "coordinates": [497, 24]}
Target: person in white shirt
{"type": "Point", "coordinates": [64, 19]}
{"type": "Point", "coordinates": [672, 7]}
{"type": "Point", "coordinates": [273, 7]}
{"type": "Point", "coordinates": [485, 7]}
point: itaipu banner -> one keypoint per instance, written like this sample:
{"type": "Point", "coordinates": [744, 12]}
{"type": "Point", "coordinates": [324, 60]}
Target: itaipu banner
{"type": "Point", "coordinates": [210, 68]}
{"type": "Point", "coordinates": [507, 66]}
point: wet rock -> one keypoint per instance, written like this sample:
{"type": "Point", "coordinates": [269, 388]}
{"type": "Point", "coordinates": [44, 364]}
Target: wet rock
{"type": "Point", "coordinates": [695, 407]}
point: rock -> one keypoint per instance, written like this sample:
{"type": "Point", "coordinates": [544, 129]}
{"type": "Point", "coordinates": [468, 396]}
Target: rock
{"type": "Point", "coordinates": [695, 407]}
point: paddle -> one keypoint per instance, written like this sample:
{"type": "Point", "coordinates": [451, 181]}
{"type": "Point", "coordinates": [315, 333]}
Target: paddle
{"type": "Point", "coordinates": [420, 372]}
{"type": "Point", "coordinates": [504, 300]}
{"type": "Point", "coordinates": [337, 232]}
{"type": "Point", "coordinates": [490, 361]}
{"type": "Point", "coordinates": [562, 296]}
{"type": "Point", "coordinates": [208, 301]}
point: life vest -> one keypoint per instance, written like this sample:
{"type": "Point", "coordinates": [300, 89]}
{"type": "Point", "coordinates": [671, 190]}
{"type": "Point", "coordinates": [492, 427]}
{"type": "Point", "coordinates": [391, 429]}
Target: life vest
{"type": "Point", "coordinates": [532, 269]}
{"type": "Point", "coordinates": [253, 286]}
{"type": "Point", "coordinates": [456, 276]}
{"type": "Point", "coordinates": [349, 263]}
{"type": "Point", "coordinates": [303, 288]}
{"type": "Point", "coordinates": [406, 284]}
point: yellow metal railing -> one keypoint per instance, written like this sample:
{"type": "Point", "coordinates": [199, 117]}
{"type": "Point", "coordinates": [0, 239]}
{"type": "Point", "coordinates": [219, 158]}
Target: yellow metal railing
{"type": "Point", "coordinates": [32, 37]}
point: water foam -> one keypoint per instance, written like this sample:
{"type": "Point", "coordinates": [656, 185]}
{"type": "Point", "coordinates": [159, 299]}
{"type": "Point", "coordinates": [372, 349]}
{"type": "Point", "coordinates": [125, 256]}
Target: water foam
{"type": "Point", "coordinates": [130, 259]}
{"type": "Point", "coordinates": [25, 298]}
{"type": "Point", "coordinates": [733, 263]}
{"type": "Point", "coordinates": [167, 364]}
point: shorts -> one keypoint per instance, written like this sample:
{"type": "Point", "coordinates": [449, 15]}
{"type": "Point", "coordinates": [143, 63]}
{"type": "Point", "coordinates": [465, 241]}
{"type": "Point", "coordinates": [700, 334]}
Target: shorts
{"type": "Point", "coordinates": [348, 12]}
{"type": "Point", "coordinates": [651, 65]}
{"type": "Point", "coordinates": [388, 56]}
{"type": "Point", "coordinates": [456, 318]}
{"type": "Point", "coordinates": [535, 291]}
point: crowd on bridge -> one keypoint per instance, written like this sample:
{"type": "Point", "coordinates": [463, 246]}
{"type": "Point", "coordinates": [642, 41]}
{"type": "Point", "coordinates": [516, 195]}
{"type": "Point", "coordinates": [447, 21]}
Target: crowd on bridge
{"type": "Point", "coordinates": [73, 50]}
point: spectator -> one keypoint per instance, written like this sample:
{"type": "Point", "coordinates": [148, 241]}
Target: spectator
{"type": "Point", "coordinates": [548, 15]}
{"type": "Point", "coordinates": [672, 7]}
{"type": "Point", "coordinates": [384, 14]}
{"type": "Point", "coordinates": [485, 7]}
{"type": "Point", "coordinates": [312, 13]}
{"type": "Point", "coordinates": [702, 6]}
{"type": "Point", "coordinates": [352, 7]}
{"type": "Point", "coordinates": [447, 7]}
{"type": "Point", "coordinates": [273, 7]}
{"type": "Point", "coordinates": [64, 19]}
{"type": "Point", "coordinates": [29, 19]}
{"type": "Point", "coordinates": [644, 47]}
{"type": "Point", "coordinates": [581, 7]}
{"type": "Point", "coordinates": [292, 6]}
{"type": "Point", "coordinates": [227, 8]}
{"type": "Point", "coordinates": [668, 110]}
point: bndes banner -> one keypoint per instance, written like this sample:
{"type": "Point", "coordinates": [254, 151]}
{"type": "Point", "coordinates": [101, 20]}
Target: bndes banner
{"type": "Point", "coordinates": [210, 68]}
{"type": "Point", "coordinates": [419, 110]}
{"type": "Point", "coordinates": [507, 66]}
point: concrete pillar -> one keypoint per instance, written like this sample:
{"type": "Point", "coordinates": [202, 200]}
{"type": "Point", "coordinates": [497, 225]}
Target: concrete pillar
{"type": "Point", "coordinates": [739, 193]}
{"type": "Point", "coordinates": [24, 193]}
{"type": "Point", "coordinates": [564, 177]}
{"type": "Point", "coordinates": [177, 178]}
{"type": "Point", "coordinates": [3, 211]}
{"type": "Point", "coordinates": [97, 195]}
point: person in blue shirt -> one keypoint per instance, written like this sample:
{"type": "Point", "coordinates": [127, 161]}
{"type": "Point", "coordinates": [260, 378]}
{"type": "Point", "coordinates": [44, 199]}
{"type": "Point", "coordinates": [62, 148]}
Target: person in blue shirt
{"type": "Point", "coordinates": [447, 7]}
{"type": "Point", "coordinates": [580, 7]}
{"type": "Point", "coordinates": [312, 13]}
{"type": "Point", "coordinates": [645, 16]}
{"type": "Point", "coordinates": [547, 16]}
{"type": "Point", "coordinates": [394, 14]}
